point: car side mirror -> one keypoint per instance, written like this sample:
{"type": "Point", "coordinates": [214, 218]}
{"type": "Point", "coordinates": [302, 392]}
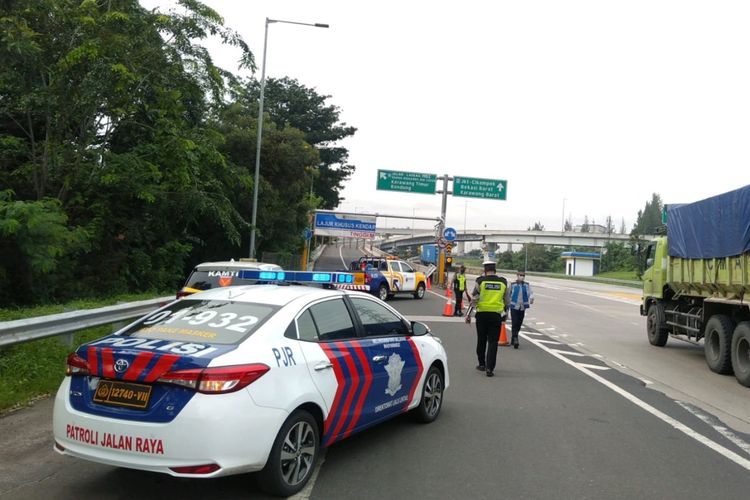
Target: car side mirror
{"type": "Point", "coordinates": [418, 328]}
{"type": "Point", "coordinates": [649, 262]}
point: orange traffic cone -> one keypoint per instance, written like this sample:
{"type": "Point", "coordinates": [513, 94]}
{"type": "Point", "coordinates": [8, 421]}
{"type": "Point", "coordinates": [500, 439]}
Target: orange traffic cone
{"type": "Point", "coordinates": [503, 336]}
{"type": "Point", "coordinates": [448, 308]}
{"type": "Point", "coordinates": [429, 283]}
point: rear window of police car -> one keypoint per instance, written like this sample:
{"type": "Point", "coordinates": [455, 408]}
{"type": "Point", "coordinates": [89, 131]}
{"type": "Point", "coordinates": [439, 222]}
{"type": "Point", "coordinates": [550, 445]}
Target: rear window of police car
{"type": "Point", "coordinates": [210, 321]}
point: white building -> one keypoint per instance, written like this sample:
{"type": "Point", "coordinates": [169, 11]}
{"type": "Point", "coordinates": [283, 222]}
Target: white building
{"type": "Point", "coordinates": [580, 263]}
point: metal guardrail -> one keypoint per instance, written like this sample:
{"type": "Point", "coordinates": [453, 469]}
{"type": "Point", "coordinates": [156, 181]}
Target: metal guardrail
{"type": "Point", "coordinates": [25, 330]}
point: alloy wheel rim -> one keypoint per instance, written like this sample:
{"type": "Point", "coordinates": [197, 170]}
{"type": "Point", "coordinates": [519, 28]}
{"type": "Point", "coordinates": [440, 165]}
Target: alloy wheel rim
{"type": "Point", "coordinates": [298, 453]}
{"type": "Point", "coordinates": [433, 394]}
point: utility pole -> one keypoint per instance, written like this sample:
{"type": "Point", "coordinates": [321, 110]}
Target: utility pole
{"type": "Point", "coordinates": [441, 226]}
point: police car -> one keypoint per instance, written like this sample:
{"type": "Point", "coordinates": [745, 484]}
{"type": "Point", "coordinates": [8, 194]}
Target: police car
{"type": "Point", "coordinates": [209, 275]}
{"type": "Point", "coordinates": [247, 378]}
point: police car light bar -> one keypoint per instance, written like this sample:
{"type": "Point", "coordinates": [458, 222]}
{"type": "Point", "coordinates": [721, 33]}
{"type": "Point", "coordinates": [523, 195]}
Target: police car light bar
{"type": "Point", "coordinates": [298, 276]}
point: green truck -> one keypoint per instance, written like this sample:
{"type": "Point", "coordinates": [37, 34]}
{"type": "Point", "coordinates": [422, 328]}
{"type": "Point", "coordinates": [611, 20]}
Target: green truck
{"type": "Point", "coordinates": [696, 282]}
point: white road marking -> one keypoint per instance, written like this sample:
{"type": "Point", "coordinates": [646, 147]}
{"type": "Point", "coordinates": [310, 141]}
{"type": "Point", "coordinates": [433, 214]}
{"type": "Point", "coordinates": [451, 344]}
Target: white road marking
{"type": "Point", "coordinates": [592, 367]}
{"type": "Point", "coordinates": [548, 342]}
{"type": "Point", "coordinates": [731, 436]}
{"type": "Point", "coordinates": [568, 353]}
{"type": "Point", "coordinates": [442, 319]}
{"type": "Point", "coordinates": [541, 323]}
{"type": "Point", "coordinates": [532, 333]}
{"type": "Point", "coordinates": [723, 451]}
{"type": "Point", "coordinates": [342, 258]}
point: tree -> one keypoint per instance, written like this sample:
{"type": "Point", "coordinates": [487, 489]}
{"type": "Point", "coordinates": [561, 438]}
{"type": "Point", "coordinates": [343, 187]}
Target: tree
{"type": "Point", "coordinates": [649, 219]}
{"type": "Point", "coordinates": [609, 226]}
{"type": "Point", "coordinates": [102, 120]}
{"type": "Point", "coordinates": [538, 226]}
{"type": "Point", "coordinates": [288, 103]}
{"type": "Point", "coordinates": [568, 224]}
{"type": "Point", "coordinates": [585, 228]}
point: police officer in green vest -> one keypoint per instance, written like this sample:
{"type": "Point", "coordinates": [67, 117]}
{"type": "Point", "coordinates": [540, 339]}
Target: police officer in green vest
{"type": "Point", "coordinates": [490, 299]}
{"type": "Point", "coordinates": [459, 289]}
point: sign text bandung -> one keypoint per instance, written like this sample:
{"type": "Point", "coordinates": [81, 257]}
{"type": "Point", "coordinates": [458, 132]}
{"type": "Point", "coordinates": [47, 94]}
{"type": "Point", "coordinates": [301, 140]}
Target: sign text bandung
{"type": "Point", "coordinates": [472, 187]}
{"type": "Point", "coordinates": [344, 225]}
{"type": "Point", "coordinates": [410, 182]}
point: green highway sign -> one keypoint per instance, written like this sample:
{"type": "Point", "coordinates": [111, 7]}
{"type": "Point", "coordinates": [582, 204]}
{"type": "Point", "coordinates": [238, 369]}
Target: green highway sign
{"type": "Point", "coordinates": [472, 187]}
{"type": "Point", "coordinates": [409, 182]}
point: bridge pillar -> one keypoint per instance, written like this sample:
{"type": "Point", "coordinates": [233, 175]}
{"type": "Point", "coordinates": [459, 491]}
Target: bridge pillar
{"type": "Point", "coordinates": [461, 248]}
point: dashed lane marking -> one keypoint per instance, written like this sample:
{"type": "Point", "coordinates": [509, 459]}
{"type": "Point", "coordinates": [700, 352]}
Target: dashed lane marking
{"type": "Point", "coordinates": [568, 353]}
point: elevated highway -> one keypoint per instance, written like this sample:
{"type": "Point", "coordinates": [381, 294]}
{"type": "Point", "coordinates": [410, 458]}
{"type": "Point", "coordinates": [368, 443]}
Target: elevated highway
{"type": "Point", "coordinates": [495, 237]}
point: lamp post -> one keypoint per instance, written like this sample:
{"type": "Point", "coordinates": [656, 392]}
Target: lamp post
{"type": "Point", "coordinates": [260, 125]}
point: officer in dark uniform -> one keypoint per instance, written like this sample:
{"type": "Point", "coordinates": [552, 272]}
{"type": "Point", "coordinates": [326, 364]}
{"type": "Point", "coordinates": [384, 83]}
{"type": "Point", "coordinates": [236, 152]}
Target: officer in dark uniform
{"type": "Point", "coordinates": [490, 299]}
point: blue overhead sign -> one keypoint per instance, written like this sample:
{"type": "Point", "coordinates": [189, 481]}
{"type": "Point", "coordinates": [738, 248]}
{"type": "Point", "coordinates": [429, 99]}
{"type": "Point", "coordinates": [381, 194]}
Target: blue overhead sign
{"type": "Point", "coordinates": [450, 234]}
{"type": "Point", "coordinates": [344, 225]}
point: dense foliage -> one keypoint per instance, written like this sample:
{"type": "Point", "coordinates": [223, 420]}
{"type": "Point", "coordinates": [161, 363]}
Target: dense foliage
{"type": "Point", "coordinates": [127, 156]}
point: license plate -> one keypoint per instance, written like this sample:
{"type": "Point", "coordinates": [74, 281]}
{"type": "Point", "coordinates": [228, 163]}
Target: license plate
{"type": "Point", "coordinates": [116, 393]}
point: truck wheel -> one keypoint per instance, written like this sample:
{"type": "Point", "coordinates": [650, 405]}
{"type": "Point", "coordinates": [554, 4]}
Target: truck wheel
{"type": "Point", "coordinates": [718, 342]}
{"type": "Point", "coordinates": [741, 353]}
{"type": "Point", "coordinates": [419, 294]}
{"type": "Point", "coordinates": [383, 292]}
{"type": "Point", "coordinates": [656, 326]}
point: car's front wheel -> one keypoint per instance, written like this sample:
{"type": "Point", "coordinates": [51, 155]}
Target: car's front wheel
{"type": "Point", "coordinates": [293, 456]}
{"type": "Point", "coordinates": [419, 294]}
{"type": "Point", "coordinates": [432, 396]}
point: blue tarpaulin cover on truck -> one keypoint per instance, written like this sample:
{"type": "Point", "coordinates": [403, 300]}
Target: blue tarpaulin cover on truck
{"type": "Point", "coordinates": [716, 227]}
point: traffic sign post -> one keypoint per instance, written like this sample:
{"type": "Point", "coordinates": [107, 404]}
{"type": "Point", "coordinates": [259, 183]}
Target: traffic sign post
{"type": "Point", "coordinates": [450, 234]}
{"type": "Point", "coordinates": [408, 182]}
{"type": "Point", "coordinates": [473, 187]}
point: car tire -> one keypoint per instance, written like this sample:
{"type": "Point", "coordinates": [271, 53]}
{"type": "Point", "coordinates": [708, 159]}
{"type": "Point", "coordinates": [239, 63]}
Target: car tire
{"type": "Point", "coordinates": [419, 294]}
{"type": "Point", "coordinates": [718, 343]}
{"type": "Point", "coordinates": [432, 396]}
{"type": "Point", "coordinates": [290, 467]}
{"type": "Point", "coordinates": [741, 353]}
{"type": "Point", "coordinates": [656, 327]}
{"type": "Point", "coordinates": [383, 292]}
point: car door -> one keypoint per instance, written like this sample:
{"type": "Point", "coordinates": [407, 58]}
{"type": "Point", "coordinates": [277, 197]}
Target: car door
{"type": "Point", "coordinates": [336, 363]}
{"type": "Point", "coordinates": [410, 277]}
{"type": "Point", "coordinates": [394, 364]}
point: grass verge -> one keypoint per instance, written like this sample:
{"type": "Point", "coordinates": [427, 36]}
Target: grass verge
{"type": "Point", "coordinates": [36, 368]}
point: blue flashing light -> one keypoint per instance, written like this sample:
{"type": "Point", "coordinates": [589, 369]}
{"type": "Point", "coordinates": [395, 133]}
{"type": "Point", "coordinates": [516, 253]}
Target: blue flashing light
{"type": "Point", "coordinates": [297, 276]}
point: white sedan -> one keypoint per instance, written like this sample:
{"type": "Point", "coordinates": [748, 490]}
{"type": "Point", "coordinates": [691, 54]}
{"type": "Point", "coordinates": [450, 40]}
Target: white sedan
{"type": "Point", "coordinates": [249, 378]}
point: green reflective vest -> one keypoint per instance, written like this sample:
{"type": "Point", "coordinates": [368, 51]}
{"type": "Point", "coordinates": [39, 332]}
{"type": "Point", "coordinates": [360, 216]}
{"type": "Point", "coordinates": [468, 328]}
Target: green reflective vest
{"type": "Point", "coordinates": [491, 295]}
{"type": "Point", "coordinates": [461, 282]}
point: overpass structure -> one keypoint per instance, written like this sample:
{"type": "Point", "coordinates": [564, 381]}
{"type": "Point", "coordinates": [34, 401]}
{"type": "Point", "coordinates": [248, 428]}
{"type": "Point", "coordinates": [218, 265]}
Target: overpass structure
{"type": "Point", "coordinates": [494, 238]}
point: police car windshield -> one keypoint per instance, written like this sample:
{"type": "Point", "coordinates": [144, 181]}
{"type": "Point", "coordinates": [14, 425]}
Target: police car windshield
{"type": "Point", "coordinates": [210, 321]}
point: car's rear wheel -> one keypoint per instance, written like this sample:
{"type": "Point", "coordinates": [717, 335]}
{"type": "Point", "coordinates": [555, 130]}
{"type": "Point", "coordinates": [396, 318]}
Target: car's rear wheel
{"type": "Point", "coordinates": [432, 396]}
{"type": "Point", "coordinates": [293, 456]}
{"type": "Point", "coordinates": [419, 294]}
{"type": "Point", "coordinates": [383, 292]}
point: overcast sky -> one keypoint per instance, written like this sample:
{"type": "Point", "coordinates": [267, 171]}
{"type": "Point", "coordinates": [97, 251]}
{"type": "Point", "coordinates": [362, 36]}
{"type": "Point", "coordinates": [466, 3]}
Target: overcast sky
{"type": "Point", "coordinates": [591, 105]}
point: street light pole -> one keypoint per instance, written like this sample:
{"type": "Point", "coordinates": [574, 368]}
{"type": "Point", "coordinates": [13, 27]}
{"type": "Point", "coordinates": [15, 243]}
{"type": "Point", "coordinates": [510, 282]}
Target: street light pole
{"type": "Point", "coordinates": [256, 179]}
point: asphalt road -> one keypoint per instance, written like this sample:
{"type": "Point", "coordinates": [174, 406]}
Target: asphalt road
{"type": "Point", "coordinates": [586, 408]}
